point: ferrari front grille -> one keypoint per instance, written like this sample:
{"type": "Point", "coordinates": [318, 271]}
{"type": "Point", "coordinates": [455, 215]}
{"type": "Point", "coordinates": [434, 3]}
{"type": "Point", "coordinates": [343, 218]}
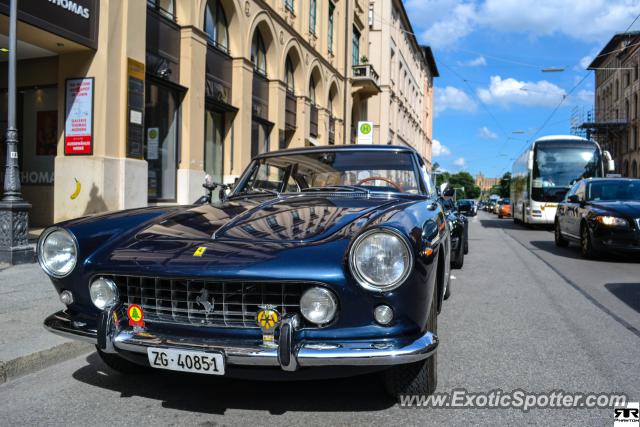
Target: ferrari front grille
{"type": "Point", "coordinates": [207, 303]}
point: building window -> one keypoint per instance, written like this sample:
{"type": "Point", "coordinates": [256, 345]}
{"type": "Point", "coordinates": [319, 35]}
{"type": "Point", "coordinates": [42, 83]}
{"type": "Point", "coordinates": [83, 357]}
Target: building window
{"type": "Point", "coordinates": [370, 16]}
{"type": "Point", "coordinates": [356, 47]}
{"type": "Point", "coordinates": [332, 8]}
{"type": "Point", "coordinates": [215, 25]}
{"type": "Point", "coordinates": [312, 16]}
{"type": "Point", "coordinates": [165, 8]}
{"type": "Point", "coordinates": [635, 105]}
{"type": "Point", "coordinates": [288, 76]}
{"type": "Point", "coordinates": [312, 90]}
{"type": "Point", "coordinates": [289, 5]}
{"type": "Point", "coordinates": [214, 144]}
{"type": "Point", "coordinates": [259, 54]}
{"type": "Point", "coordinates": [161, 145]}
{"type": "Point", "coordinates": [634, 169]}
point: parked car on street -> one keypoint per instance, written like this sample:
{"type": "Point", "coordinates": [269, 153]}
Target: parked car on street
{"type": "Point", "coordinates": [602, 215]}
{"type": "Point", "coordinates": [504, 208]}
{"type": "Point", "coordinates": [467, 207]}
{"type": "Point", "coordinates": [321, 261]}
{"type": "Point", "coordinates": [459, 226]}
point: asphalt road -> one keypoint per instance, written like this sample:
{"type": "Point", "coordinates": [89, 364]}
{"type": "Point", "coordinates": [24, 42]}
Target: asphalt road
{"type": "Point", "coordinates": [523, 315]}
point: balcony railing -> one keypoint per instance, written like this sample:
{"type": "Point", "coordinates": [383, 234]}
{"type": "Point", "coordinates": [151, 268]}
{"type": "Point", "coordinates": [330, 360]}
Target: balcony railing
{"type": "Point", "coordinates": [314, 121]}
{"type": "Point", "coordinates": [365, 80]}
{"type": "Point", "coordinates": [290, 107]}
{"type": "Point", "coordinates": [365, 72]}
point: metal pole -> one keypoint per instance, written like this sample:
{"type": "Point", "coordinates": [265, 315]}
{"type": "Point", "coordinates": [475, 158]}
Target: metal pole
{"type": "Point", "coordinates": [14, 211]}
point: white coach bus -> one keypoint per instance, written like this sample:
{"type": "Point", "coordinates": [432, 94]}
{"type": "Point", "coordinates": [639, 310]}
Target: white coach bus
{"type": "Point", "coordinates": [543, 174]}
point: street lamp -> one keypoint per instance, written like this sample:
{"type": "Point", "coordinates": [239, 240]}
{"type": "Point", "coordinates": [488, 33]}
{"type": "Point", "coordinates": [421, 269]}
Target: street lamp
{"type": "Point", "coordinates": [14, 210]}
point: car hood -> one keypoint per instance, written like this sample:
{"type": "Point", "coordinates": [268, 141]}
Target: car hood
{"type": "Point", "coordinates": [629, 209]}
{"type": "Point", "coordinates": [285, 219]}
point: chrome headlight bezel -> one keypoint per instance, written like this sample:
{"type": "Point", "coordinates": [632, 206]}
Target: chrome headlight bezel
{"type": "Point", "coordinates": [40, 252]}
{"type": "Point", "coordinates": [361, 279]}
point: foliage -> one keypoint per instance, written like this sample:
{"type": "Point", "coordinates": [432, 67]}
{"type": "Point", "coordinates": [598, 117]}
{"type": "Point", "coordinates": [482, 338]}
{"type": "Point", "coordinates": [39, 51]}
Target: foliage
{"type": "Point", "coordinates": [460, 180]}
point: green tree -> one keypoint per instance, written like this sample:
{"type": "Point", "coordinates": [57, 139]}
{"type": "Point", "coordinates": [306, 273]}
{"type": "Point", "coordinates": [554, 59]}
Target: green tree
{"type": "Point", "coordinates": [466, 181]}
{"type": "Point", "coordinates": [505, 185]}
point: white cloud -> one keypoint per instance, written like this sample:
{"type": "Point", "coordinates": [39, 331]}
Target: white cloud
{"type": "Point", "coordinates": [476, 62]}
{"type": "Point", "coordinates": [459, 162]}
{"type": "Point", "coordinates": [452, 27]}
{"type": "Point", "coordinates": [486, 133]}
{"type": "Point", "coordinates": [509, 91]}
{"type": "Point", "coordinates": [586, 96]}
{"type": "Point", "coordinates": [443, 23]}
{"type": "Point", "coordinates": [438, 150]}
{"type": "Point", "coordinates": [452, 98]}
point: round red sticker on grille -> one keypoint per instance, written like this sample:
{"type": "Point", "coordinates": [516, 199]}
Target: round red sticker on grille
{"type": "Point", "coordinates": [136, 316]}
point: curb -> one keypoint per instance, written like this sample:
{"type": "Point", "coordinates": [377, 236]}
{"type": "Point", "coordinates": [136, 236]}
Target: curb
{"type": "Point", "coordinates": [33, 362]}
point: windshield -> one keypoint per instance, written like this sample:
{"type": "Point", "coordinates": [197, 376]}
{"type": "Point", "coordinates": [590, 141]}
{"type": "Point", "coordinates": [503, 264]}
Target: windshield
{"type": "Point", "coordinates": [558, 166]}
{"type": "Point", "coordinates": [357, 170]}
{"type": "Point", "coordinates": [614, 190]}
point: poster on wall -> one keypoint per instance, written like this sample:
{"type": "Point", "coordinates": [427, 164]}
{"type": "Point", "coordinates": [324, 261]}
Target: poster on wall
{"type": "Point", "coordinates": [78, 123]}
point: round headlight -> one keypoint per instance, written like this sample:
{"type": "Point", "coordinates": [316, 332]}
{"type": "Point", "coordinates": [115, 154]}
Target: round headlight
{"type": "Point", "coordinates": [381, 260]}
{"type": "Point", "coordinates": [318, 305]}
{"type": "Point", "coordinates": [104, 293]}
{"type": "Point", "coordinates": [57, 252]}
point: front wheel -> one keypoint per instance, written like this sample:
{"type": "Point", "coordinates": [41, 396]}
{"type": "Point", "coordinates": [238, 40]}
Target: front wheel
{"type": "Point", "coordinates": [561, 242]}
{"type": "Point", "coordinates": [419, 378]}
{"type": "Point", "coordinates": [586, 246]}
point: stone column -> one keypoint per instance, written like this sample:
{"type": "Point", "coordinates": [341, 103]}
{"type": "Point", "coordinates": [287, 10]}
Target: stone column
{"type": "Point", "coordinates": [193, 52]}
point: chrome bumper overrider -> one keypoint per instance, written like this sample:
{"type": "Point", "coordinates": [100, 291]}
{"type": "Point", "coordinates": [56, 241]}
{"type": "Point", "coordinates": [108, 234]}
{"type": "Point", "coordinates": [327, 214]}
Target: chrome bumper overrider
{"type": "Point", "coordinates": [288, 355]}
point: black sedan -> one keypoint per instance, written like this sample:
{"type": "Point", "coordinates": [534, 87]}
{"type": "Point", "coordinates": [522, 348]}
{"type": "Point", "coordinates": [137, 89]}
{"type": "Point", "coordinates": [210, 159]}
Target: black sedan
{"type": "Point", "coordinates": [602, 214]}
{"type": "Point", "coordinates": [467, 207]}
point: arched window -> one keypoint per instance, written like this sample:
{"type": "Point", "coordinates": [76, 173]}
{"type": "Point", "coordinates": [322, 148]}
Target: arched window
{"type": "Point", "coordinates": [215, 25]}
{"type": "Point", "coordinates": [259, 54]}
{"type": "Point", "coordinates": [288, 76]}
{"type": "Point", "coordinates": [634, 169]}
{"type": "Point", "coordinates": [166, 8]}
{"type": "Point", "coordinates": [312, 90]}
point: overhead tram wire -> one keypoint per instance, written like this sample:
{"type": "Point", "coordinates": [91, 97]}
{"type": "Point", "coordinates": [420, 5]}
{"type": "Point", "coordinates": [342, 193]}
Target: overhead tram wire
{"type": "Point", "coordinates": [548, 119]}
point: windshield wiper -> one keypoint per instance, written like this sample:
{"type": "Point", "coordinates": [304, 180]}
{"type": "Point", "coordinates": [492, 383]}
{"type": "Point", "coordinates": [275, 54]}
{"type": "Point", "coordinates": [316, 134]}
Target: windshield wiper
{"type": "Point", "coordinates": [352, 188]}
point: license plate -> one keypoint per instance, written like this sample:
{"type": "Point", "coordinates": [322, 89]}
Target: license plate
{"type": "Point", "coordinates": [186, 361]}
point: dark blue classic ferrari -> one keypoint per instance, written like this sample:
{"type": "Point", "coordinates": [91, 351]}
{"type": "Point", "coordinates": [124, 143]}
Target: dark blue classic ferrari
{"type": "Point", "coordinates": [318, 262]}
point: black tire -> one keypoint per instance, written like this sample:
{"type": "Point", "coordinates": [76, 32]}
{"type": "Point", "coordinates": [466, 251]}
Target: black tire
{"type": "Point", "coordinates": [586, 247]}
{"type": "Point", "coordinates": [447, 293]}
{"type": "Point", "coordinates": [499, 216]}
{"type": "Point", "coordinates": [466, 243]}
{"type": "Point", "coordinates": [420, 378]}
{"type": "Point", "coordinates": [121, 365]}
{"type": "Point", "coordinates": [458, 261]}
{"type": "Point", "coordinates": [561, 242]}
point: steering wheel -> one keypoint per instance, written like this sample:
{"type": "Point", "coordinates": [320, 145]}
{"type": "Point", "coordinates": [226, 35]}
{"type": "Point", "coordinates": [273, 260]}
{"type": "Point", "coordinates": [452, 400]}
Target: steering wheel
{"type": "Point", "coordinates": [381, 178]}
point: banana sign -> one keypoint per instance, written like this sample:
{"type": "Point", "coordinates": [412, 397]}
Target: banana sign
{"type": "Point", "coordinates": [76, 193]}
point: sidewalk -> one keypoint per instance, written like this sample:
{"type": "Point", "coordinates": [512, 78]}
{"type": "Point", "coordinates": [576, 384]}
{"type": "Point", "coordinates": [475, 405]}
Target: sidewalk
{"type": "Point", "coordinates": [26, 298]}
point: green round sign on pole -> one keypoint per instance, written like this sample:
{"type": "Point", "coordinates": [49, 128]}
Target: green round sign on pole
{"type": "Point", "coordinates": [365, 129]}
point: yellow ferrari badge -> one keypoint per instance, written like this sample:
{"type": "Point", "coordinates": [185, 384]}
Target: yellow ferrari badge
{"type": "Point", "coordinates": [268, 318]}
{"type": "Point", "coordinates": [200, 251]}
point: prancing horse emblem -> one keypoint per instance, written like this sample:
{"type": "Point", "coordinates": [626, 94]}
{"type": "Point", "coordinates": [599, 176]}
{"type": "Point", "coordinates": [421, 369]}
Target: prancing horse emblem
{"type": "Point", "coordinates": [203, 299]}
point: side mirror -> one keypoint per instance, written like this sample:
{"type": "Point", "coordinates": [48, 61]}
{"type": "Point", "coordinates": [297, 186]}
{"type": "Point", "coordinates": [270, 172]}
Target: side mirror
{"type": "Point", "coordinates": [573, 198]}
{"type": "Point", "coordinates": [530, 160]}
{"type": "Point", "coordinates": [449, 192]}
{"type": "Point", "coordinates": [611, 164]}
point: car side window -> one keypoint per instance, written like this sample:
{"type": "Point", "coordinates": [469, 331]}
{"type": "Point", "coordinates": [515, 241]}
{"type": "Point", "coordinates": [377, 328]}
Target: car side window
{"type": "Point", "coordinates": [580, 192]}
{"type": "Point", "coordinates": [572, 191]}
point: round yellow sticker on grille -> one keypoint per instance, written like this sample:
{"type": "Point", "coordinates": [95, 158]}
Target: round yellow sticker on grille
{"type": "Point", "coordinates": [135, 313]}
{"type": "Point", "coordinates": [268, 319]}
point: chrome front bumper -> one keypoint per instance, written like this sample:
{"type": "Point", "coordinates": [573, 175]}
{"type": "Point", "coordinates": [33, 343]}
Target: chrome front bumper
{"type": "Point", "coordinates": [288, 355]}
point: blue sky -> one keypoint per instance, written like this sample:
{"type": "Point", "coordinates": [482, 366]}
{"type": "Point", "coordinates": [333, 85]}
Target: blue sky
{"type": "Point", "coordinates": [490, 54]}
